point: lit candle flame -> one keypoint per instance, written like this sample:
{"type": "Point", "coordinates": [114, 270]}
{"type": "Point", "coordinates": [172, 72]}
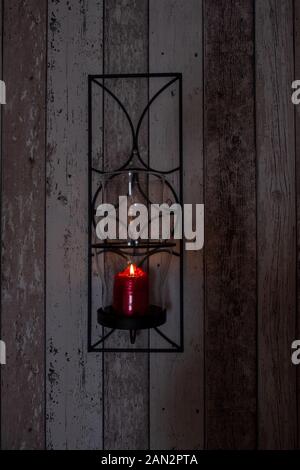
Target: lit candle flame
{"type": "Point", "coordinates": [131, 269]}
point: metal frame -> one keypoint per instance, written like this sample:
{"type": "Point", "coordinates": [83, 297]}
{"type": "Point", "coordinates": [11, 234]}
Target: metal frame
{"type": "Point", "coordinates": [99, 346]}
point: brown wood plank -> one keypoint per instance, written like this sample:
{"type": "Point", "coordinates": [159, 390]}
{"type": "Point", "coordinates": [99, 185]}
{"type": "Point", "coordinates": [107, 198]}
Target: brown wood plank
{"type": "Point", "coordinates": [230, 250]}
{"type": "Point", "coordinates": [276, 224]}
{"type": "Point", "coordinates": [126, 374]}
{"type": "Point", "coordinates": [74, 376]}
{"type": "Point", "coordinates": [176, 380]}
{"type": "Point", "coordinates": [23, 219]}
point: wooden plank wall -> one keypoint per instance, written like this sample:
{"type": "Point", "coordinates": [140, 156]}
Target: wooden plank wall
{"type": "Point", "coordinates": [297, 188]}
{"type": "Point", "coordinates": [126, 383]}
{"type": "Point", "coordinates": [175, 38]}
{"type": "Point", "coordinates": [74, 377]}
{"type": "Point", "coordinates": [230, 203]}
{"type": "Point", "coordinates": [276, 225]}
{"type": "Point", "coordinates": [23, 224]}
{"type": "Point", "coordinates": [234, 386]}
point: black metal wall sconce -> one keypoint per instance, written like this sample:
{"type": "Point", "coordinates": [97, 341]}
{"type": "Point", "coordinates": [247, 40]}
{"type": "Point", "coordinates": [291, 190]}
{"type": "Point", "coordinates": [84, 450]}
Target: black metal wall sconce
{"type": "Point", "coordinates": [135, 287]}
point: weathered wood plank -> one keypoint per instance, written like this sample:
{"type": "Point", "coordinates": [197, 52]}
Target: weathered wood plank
{"type": "Point", "coordinates": [23, 217]}
{"type": "Point", "coordinates": [126, 374]}
{"type": "Point", "coordinates": [297, 162]}
{"type": "Point", "coordinates": [74, 377]}
{"type": "Point", "coordinates": [176, 380]}
{"type": "Point", "coordinates": [230, 251]}
{"type": "Point", "coordinates": [276, 224]}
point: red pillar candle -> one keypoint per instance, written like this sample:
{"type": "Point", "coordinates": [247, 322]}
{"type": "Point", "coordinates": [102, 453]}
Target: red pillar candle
{"type": "Point", "coordinates": [131, 291]}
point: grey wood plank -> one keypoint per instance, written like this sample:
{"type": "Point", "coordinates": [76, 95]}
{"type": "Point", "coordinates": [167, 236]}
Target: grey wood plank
{"type": "Point", "coordinates": [230, 211]}
{"type": "Point", "coordinates": [176, 380]}
{"type": "Point", "coordinates": [277, 395]}
{"type": "Point", "coordinates": [126, 374]}
{"type": "Point", "coordinates": [23, 220]}
{"type": "Point", "coordinates": [74, 377]}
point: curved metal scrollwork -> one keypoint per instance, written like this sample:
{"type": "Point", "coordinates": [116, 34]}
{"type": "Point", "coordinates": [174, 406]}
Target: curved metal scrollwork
{"type": "Point", "coordinates": [136, 132]}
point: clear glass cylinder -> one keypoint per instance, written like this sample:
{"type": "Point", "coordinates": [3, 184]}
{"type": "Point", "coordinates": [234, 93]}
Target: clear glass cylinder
{"type": "Point", "coordinates": [131, 193]}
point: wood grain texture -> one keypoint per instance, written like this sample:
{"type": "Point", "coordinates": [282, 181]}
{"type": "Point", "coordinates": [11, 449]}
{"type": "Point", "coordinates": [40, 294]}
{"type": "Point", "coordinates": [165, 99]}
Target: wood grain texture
{"type": "Point", "coordinates": [230, 251]}
{"type": "Point", "coordinates": [276, 224]}
{"type": "Point", "coordinates": [74, 377]}
{"type": "Point", "coordinates": [23, 177]}
{"type": "Point", "coordinates": [126, 374]}
{"type": "Point", "coordinates": [297, 163]}
{"type": "Point", "coordinates": [176, 380]}
{"type": "Point", "coordinates": [234, 386]}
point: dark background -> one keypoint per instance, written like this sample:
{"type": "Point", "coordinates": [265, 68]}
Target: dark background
{"type": "Point", "coordinates": [234, 387]}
